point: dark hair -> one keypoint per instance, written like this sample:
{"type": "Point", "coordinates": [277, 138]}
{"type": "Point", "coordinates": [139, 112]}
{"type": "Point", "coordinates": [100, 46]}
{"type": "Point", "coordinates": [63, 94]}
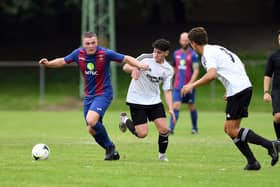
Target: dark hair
{"type": "Point", "coordinates": [198, 35]}
{"type": "Point", "coordinates": [161, 44]}
{"type": "Point", "coordinates": [89, 35]}
{"type": "Point", "coordinates": [278, 32]}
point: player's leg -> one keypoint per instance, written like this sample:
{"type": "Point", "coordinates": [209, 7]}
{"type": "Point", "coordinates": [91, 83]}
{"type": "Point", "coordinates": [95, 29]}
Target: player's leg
{"type": "Point", "coordinates": [193, 111]}
{"type": "Point", "coordinates": [232, 129]}
{"type": "Point", "coordinates": [157, 114]}
{"type": "Point", "coordinates": [94, 117]}
{"type": "Point", "coordinates": [276, 112]}
{"type": "Point", "coordinates": [237, 108]}
{"type": "Point", "coordinates": [176, 107]}
{"type": "Point", "coordinates": [138, 124]}
{"type": "Point", "coordinates": [276, 124]}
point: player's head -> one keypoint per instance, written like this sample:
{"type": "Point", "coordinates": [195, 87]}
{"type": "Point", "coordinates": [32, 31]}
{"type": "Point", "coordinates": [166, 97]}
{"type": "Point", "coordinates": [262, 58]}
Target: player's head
{"type": "Point", "coordinates": [90, 42]}
{"type": "Point", "coordinates": [184, 40]}
{"type": "Point", "coordinates": [198, 37]}
{"type": "Point", "coordinates": [161, 49]}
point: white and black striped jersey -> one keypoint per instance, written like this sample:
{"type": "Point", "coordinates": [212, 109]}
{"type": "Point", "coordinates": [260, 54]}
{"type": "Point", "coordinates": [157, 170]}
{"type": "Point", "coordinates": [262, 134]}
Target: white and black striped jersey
{"type": "Point", "coordinates": [146, 89]}
{"type": "Point", "coordinates": [230, 70]}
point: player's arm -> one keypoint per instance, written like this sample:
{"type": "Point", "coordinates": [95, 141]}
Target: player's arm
{"type": "Point", "coordinates": [208, 77]}
{"type": "Point", "coordinates": [195, 72]}
{"type": "Point", "coordinates": [135, 73]}
{"type": "Point", "coordinates": [55, 63]}
{"type": "Point", "coordinates": [169, 103]}
{"type": "Point", "coordinates": [134, 62]}
{"type": "Point", "coordinates": [266, 88]}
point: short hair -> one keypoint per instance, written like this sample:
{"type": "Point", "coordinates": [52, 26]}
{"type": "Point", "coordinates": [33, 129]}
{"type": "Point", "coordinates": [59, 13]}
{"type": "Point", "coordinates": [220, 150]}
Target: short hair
{"type": "Point", "coordinates": [89, 34]}
{"type": "Point", "coordinates": [198, 35]}
{"type": "Point", "coordinates": [161, 44]}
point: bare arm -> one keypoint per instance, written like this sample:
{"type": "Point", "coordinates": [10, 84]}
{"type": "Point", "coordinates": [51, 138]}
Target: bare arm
{"type": "Point", "coordinates": [266, 86]}
{"type": "Point", "coordinates": [169, 103]}
{"type": "Point", "coordinates": [55, 63]}
{"type": "Point", "coordinates": [134, 62]}
{"type": "Point", "coordinates": [208, 77]}
{"type": "Point", "coordinates": [195, 73]}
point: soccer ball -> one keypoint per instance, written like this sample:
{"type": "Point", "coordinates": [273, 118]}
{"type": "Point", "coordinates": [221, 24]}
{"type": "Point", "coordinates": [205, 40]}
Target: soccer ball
{"type": "Point", "coordinates": [40, 151]}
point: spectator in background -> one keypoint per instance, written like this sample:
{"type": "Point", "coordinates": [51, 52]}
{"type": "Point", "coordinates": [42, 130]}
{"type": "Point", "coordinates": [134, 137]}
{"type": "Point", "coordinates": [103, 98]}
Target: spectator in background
{"type": "Point", "coordinates": [185, 63]}
{"type": "Point", "coordinates": [272, 74]}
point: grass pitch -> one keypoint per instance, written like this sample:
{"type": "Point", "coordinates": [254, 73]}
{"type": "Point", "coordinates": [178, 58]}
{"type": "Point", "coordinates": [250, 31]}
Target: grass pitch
{"type": "Point", "coordinates": [206, 159]}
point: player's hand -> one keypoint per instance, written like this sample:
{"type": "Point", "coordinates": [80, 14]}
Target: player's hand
{"type": "Point", "coordinates": [171, 112]}
{"type": "Point", "coordinates": [43, 61]}
{"type": "Point", "coordinates": [144, 66]}
{"type": "Point", "coordinates": [188, 88]}
{"type": "Point", "coordinates": [267, 97]}
{"type": "Point", "coordinates": [135, 74]}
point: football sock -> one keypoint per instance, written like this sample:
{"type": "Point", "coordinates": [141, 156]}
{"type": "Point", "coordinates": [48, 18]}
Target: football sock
{"type": "Point", "coordinates": [194, 119]}
{"type": "Point", "coordinates": [247, 135]}
{"type": "Point", "coordinates": [245, 150]}
{"type": "Point", "coordinates": [162, 142]}
{"type": "Point", "coordinates": [171, 124]}
{"type": "Point", "coordinates": [101, 136]}
{"type": "Point", "coordinates": [277, 129]}
{"type": "Point", "coordinates": [130, 126]}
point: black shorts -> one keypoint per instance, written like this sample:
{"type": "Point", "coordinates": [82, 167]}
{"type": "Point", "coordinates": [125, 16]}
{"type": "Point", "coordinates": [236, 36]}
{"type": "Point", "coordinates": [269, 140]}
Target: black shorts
{"type": "Point", "coordinates": [275, 101]}
{"type": "Point", "coordinates": [237, 105]}
{"type": "Point", "coordinates": [140, 113]}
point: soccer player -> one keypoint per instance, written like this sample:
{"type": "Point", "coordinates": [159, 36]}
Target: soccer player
{"type": "Point", "coordinates": [185, 63]}
{"type": "Point", "coordinates": [273, 72]}
{"type": "Point", "coordinates": [94, 63]}
{"type": "Point", "coordinates": [228, 68]}
{"type": "Point", "coordinates": [143, 96]}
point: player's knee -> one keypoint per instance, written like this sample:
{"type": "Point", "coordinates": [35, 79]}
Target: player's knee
{"type": "Point", "coordinates": [142, 135]}
{"type": "Point", "coordinates": [90, 121]}
{"type": "Point", "coordinates": [232, 133]}
{"type": "Point", "coordinates": [163, 131]}
{"type": "Point", "coordinates": [277, 117]}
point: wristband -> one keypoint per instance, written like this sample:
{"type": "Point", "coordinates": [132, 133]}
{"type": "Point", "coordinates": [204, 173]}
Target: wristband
{"type": "Point", "coordinates": [266, 92]}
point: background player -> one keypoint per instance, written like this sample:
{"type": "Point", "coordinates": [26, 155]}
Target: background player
{"type": "Point", "coordinates": [273, 70]}
{"type": "Point", "coordinates": [185, 63]}
{"type": "Point", "coordinates": [94, 63]}
{"type": "Point", "coordinates": [227, 67]}
{"type": "Point", "coordinates": [143, 96]}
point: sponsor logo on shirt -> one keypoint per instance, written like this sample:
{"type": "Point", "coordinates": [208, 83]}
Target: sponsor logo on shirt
{"type": "Point", "coordinates": [182, 64]}
{"type": "Point", "coordinates": [90, 69]}
{"type": "Point", "coordinates": [154, 79]}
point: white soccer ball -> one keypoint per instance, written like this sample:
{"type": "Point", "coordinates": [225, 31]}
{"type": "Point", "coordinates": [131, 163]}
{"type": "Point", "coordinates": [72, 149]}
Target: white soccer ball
{"type": "Point", "coordinates": [41, 151]}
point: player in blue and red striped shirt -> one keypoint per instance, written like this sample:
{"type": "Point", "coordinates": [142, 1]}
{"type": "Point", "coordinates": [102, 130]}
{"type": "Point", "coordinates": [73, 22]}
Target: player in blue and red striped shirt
{"type": "Point", "coordinates": [94, 63]}
{"type": "Point", "coordinates": [185, 63]}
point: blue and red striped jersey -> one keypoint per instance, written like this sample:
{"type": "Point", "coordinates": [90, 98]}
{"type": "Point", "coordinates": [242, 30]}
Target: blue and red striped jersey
{"type": "Point", "coordinates": [95, 69]}
{"type": "Point", "coordinates": [183, 64]}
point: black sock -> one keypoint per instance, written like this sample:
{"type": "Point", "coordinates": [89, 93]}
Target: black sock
{"type": "Point", "coordinates": [245, 150]}
{"type": "Point", "coordinates": [162, 142]}
{"type": "Point", "coordinates": [130, 126]}
{"type": "Point", "coordinates": [277, 129]}
{"type": "Point", "coordinates": [247, 135]}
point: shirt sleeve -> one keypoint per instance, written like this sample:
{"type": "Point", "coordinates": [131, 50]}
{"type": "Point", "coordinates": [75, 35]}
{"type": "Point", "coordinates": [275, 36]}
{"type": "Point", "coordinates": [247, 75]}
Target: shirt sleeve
{"type": "Point", "coordinates": [167, 82]}
{"type": "Point", "coordinates": [269, 67]}
{"type": "Point", "coordinates": [210, 61]}
{"type": "Point", "coordinates": [114, 56]}
{"type": "Point", "coordinates": [72, 57]}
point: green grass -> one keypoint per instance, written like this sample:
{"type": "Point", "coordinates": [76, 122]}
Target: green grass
{"type": "Point", "coordinates": [206, 159]}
